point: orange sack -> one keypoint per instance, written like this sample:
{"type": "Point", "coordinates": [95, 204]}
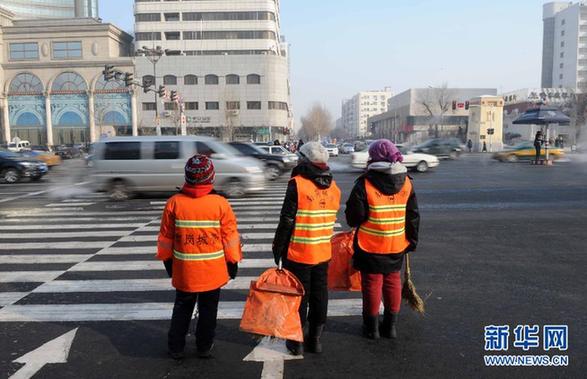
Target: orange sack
{"type": "Point", "coordinates": [272, 307]}
{"type": "Point", "coordinates": [341, 274]}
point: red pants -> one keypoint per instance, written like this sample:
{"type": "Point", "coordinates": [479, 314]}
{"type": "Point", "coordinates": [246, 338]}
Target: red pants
{"type": "Point", "coordinates": [376, 285]}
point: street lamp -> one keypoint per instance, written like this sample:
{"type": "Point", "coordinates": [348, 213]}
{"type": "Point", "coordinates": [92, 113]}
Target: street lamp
{"type": "Point", "coordinates": [154, 55]}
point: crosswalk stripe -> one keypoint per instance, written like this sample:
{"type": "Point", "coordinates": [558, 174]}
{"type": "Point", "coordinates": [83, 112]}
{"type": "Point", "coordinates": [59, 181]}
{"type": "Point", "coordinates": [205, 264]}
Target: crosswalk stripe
{"type": "Point", "coordinates": [74, 220]}
{"type": "Point", "coordinates": [240, 227]}
{"type": "Point", "coordinates": [29, 276]}
{"type": "Point", "coordinates": [45, 258]}
{"type": "Point", "coordinates": [74, 204]}
{"type": "Point", "coordinates": [55, 245]}
{"type": "Point", "coordinates": [7, 298]}
{"type": "Point", "coordinates": [152, 249]}
{"type": "Point", "coordinates": [83, 234]}
{"type": "Point", "coordinates": [50, 212]}
{"type": "Point", "coordinates": [153, 265]}
{"type": "Point", "coordinates": [33, 227]}
{"type": "Point", "coordinates": [153, 237]}
{"type": "Point", "coordinates": [139, 311]}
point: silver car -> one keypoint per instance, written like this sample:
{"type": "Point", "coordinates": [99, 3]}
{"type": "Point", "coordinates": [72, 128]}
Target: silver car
{"type": "Point", "coordinates": [124, 165]}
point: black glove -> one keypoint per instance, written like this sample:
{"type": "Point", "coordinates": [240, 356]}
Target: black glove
{"type": "Point", "coordinates": [232, 269]}
{"type": "Point", "coordinates": [276, 256]}
{"type": "Point", "coordinates": [168, 266]}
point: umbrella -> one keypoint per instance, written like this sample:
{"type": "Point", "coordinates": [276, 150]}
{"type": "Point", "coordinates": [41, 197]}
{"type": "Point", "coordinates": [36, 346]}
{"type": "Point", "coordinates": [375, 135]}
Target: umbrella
{"type": "Point", "coordinates": [543, 115]}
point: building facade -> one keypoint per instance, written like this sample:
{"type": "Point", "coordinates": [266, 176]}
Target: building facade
{"type": "Point", "coordinates": [564, 46]}
{"type": "Point", "coordinates": [53, 90]}
{"type": "Point", "coordinates": [418, 114]}
{"type": "Point", "coordinates": [35, 9]}
{"type": "Point", "coordinates": [486, 123]}
{"type": "Point", "coordinates": [356, 111]}
{"type": "Point", "coordinates": [226, 59]}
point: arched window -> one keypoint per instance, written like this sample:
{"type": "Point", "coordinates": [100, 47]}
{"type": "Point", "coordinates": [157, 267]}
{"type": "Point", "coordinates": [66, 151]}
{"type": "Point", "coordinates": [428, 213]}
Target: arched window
{"type": "Point", "coordinates": [211, 79]}
{"type": "Point", "coordinates": [190, 80]}
{"type": "Point", "coordinates": [114, 118]}
{"type": "Point", "coordinates": [26, 83]}
{"type": "Point", "coordinates": [233, 79]}
{"type": "Point", "coordinates": [70, 119]}
{"type": "Point", "coordinates": [170, 80]}
{"type": "Point", "coordinates": [28, 119]}
{"type": "Point", "coordinates": [253, 79]}
{"type": "Point", "coordinates": [148, 80]}
{"type": "Point", "coordinates": [70, 82]}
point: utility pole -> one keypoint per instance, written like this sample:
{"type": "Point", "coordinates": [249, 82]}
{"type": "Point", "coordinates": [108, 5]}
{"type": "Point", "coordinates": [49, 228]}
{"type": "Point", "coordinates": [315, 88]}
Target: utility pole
{"type": "Point", "coordinates": [154, 55]}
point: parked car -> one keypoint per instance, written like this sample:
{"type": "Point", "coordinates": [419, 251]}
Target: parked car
{"type": "Point", "coordinates": [526, 151]}
{"type": "Point", "coordinates": [413, 161]}
{"type": "Point", "coordinates": [50, 158]}
{"type": "Point", "coordinates": [347, 148]}
{"type": "Point", "coordinates": [332, 149]}
{"type": "Point", "coordinates": [68, 151]}
{"type": "Point", "coordinates": [14, 167]}
{"type": "Point", "coordinates": [19, 146]}
{"type": "Point", "coordinates": [441, 147]}
{"type": "Point", "coordinates": [275, 165]}
{"type": "Point", "coordinates": [126, 165]}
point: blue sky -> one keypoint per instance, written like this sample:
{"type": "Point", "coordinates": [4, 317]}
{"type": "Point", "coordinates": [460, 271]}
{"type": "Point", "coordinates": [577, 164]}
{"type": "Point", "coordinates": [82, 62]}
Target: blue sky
{"type": "Point", "coordinates": [339, 47]}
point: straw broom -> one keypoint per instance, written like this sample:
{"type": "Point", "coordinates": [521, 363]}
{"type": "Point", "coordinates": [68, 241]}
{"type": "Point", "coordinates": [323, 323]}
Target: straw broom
{"type": "Point", "coordinates": [409, 293]}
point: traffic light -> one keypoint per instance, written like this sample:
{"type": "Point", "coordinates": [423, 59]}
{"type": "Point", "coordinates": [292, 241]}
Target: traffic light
{"type": "Point", "coordinates": [454, 105]}
{"type": "Point", "coordinates": [161, 91]}
{"type": "Point", "coordinates": [147, 83]}
{"type": "Point", "coordinates": [174, 96]}
{"type": "Point", "coordinates": [466, 105]}
{"type": "Point", "coordinates": [108, 73]}
{"type": "Point", "coordinates": [128, 79]}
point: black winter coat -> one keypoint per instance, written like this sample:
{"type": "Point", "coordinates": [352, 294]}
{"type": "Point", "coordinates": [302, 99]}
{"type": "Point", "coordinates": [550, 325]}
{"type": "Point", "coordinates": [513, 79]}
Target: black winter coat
{"type": "Point", "coordinates": [322, 178]}
{"type": "Point", "coordinates": [357, 212]}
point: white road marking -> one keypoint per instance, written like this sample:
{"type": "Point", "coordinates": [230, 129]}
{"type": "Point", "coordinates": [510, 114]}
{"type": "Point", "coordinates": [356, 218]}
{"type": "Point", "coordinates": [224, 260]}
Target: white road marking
{"type": "Point", "coordinates": [152, 249]}
{"type": "Point", "coordinates": [75, 204]}
{"type": "Point", "coordinates": [41, 192]}
{"type": "Point", "coordinates": [153, 265]}
{"type": "Point", "coordinates": [7, 298]}
{"type": "Point", "coordinates": [55, 245]}
{"type": "Point", "coordinates": [43, 258]}
{"type": "Point", "coordinates": [272, 352]}
{"type": "Point", "coordinates": [153, 237]}
{"type": "Point", "coordinates": [83, 234]}
{"type": "Point", "coordinates": [33, 227]}
{"type": "Point", "coordinates": [29, 276]}
{"type": "Point", "coordinates": [73, 220]}
{"type": "Point", "coordinates": [51, 213]}
{"type": "Point", "coordinates": [140, 311]}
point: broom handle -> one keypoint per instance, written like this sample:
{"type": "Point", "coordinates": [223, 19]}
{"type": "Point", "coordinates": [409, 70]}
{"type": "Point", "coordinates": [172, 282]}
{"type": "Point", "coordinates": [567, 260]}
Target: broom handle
{"type": "Point", "coordinates": [408, 271]}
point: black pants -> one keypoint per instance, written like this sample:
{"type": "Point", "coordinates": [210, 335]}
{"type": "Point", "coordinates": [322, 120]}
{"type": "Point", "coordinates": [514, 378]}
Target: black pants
{"type": "Point", "coordinates": [538, 148]}
{"type": "Point", "coordinates": [182, 315]}
{"type": "Point", "coordinates": [314, 278]}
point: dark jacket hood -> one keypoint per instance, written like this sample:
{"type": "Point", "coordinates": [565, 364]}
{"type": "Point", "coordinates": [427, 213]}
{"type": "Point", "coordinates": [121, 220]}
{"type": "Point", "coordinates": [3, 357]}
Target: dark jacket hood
{"type": "Point", "coordinates": [389, 180]}
{"type": "Point", "coordinates": [321, 177]}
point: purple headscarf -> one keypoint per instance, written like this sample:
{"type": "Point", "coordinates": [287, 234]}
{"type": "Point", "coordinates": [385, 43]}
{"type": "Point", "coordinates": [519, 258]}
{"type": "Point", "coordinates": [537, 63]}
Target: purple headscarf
{"type": "Point", "coordinates": [383, 150]}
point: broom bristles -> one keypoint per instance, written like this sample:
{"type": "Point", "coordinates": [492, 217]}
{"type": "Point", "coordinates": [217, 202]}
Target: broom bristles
{"type": "Point", "coordinates": [409, 293]}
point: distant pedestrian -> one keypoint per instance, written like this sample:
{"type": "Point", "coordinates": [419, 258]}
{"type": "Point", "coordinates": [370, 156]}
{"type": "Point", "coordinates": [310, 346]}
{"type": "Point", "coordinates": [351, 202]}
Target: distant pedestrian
{"type": "Point", "coordinates": [470, 145]}
{"type": "Point", "coordinates": [384, 209]}
{"type": "Point", "coordinates": [484, 147]}
{"type": "Point", "coordinates": [276, 142]}
{"type": "Point", "coordinates": [302, 239]}
{"type": "Point", "coordinates": [538, 142]}
{"type": "Point", "coordinates": [200, 247]}
{"type": "Point", "coordinates": [300, 144]}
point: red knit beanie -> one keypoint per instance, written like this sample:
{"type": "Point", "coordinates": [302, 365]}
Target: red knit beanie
{"type": "Point", "coordinates": [199, 169]}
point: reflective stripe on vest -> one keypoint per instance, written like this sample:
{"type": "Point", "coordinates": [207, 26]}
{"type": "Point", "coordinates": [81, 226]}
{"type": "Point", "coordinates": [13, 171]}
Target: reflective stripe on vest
{"type": "Point", "coordinates": [314, 224]}
{"type": "Point", "coordinates": [197, 224]}
{"type": "Point", "coordinates": [198, 257]}
{"type": "Point", "coordinates": [384, 230]}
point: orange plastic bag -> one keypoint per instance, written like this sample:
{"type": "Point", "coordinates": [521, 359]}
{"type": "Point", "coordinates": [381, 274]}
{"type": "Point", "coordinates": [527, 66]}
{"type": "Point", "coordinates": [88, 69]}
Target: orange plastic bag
{"type": "Point", "coordinates": [341, 274]}
{"type": "Point", "coordinates": [272, 307]}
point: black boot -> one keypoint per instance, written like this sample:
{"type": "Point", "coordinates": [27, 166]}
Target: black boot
{"type": "Point", "coordinates": [313, 343]}
{"type": "Point", "coordinates": [371, 327]}
{"type": "Point", "coordinates": [294, 347]}
{"type": "Point", "coordinates": [388, 326]}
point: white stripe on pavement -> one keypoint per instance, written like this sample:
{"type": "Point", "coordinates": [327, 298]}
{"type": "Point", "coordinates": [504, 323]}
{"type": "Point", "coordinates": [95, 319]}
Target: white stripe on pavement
{"type": "Point", "coordinates": [73, 221]}
{"type": "Point", "coordinates": [7, 298]}
{"type": "Point", "coordinates": [41, 192]}
{"type": "Point", "coordinates": [43, 258]}
{"type": "Point", "coordinates": [154, 265]}
{"type": "Point", "coordinates": [28, 276]}
{"type": "Point", "coordinates": [75, 204]}
{"type": "Point", "coordinates": [139, 250]}
{"type": "Point", "coordinates": [153, 237]}
{"type": "Point", "coordinates": [56, 245]}
{"type": "Point", "coordinates": [139, 311]}
{"type": "Point", "coordinates": [248, 199]}
{"type": "Point", "coordinates": [82, 234]}
{"type": "Point", "coordinates": [32, 227]}
{"type": "Point", "coordinates": [50, 212]}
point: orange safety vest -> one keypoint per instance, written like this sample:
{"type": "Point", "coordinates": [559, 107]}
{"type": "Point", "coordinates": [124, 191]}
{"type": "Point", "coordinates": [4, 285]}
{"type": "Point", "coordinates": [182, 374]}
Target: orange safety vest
{"type": "Point", "coordinates": [314, 225]}
{"type": "Point", "coordinates": [384, 232]}
{"type": "Point", "coordinates": [200, 235]}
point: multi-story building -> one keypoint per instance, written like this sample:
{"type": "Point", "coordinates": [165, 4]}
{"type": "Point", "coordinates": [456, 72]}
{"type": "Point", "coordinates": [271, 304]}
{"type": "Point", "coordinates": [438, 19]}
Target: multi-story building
{"type": "Point", "coordinates": [52, 88]}
{"type": "Point", "coordinates": [421, 113]}
{"type": "Point", "coordinates": [33, 9]}
{"type": "Point", "coordinates": [485, 127]}
{"type": "Point", "coordinates": [357, 110]}
{"type": "Point", "coordinates": [225, 58]}
{"type": "Point", "coordinates": [564, 50]}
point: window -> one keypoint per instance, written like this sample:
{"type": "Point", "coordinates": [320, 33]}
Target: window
{"type": "Point", "coordinates": [562, 43]}
{"type": "Point", "coordinates": [172, 36]}
{"type": "Point", "coordinates": [122, 151]}
{"type": "Point", "coordinates": [148, 17]}
{"type": "Point", "coordinates": [560, 76]}
{"type": "Point", "coordinates": [24, 51]}
{"type": "Point", "coordinates": [211, 79]}
{"type": "Point", "coordinates": [230, 34]}
{"type": "Point", "coordinates": [233, 79]}
{"type": "Point", "coordinates": [171, 16]}
{"type": "Point", "coordinates": [170, 80]}
{"type": "Point", "coordinates": [562, 54]}
{"type": "Point", "coordinates": [228, 16]}
{"type": "Point", "coordinates": [562, 33]}
{"type": "Point", "coordinates": [26, 83]}
{"type": "Point", "coordinates": [69, 82]}
{"type": "Point", "coordinates": [67, 50]}
{"type": "Point", "coordinates": [169, 106]}
{"type": "Point", "coordinates": [148, 36]}
{"type": "Point", "coordinates": [148, 80]}
{"type": "Point", "coordinates": [149, 106]}
{"type": "Point", "coordinates": [191, 105]}
{"type": "Point", "coordinates": [561, 65]}
{"type": "Point", "coordinates": [253, 79]}
{"type": "Point", "coordinates": [212, 105]}
{"type": "Point", "coordinates": [204, 149]}
{"type": "Point", "coordinates": [190, 80]}
{"type": "Point", "coordinates": [233, 105]}
{"type": "Point", "coordinates": [253, 105]}
{"type": "Point", "coordinates": [278, 105]}
{"type": "Point", "coordinates": [167, 150]}
{"type": "Point", "coordinates": [563, 21]}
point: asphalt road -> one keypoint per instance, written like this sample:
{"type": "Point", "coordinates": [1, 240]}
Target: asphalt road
{"type": "Point", "coordinates": [501, 244]}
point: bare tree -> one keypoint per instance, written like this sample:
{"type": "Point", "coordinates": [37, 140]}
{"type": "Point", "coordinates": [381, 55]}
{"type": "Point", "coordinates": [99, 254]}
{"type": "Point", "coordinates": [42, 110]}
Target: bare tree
{"type": "Point", "coordinates": [317, 123]}
{"type": "Point", "coordinates": [437, 102]}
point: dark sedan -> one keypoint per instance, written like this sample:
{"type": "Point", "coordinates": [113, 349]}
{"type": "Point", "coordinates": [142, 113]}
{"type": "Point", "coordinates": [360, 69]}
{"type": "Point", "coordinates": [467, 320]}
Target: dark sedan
{"type": "Point", "coordinates": [14, 167]}
{"type": "Point", "coordinates": [275, 165]}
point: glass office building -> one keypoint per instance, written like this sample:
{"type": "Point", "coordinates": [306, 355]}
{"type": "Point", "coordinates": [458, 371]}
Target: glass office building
{"type": "Point", "coordinates": [27, 9]}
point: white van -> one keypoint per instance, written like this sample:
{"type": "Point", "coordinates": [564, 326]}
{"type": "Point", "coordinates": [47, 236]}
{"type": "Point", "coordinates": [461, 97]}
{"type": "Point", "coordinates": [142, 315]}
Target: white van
{"type": "Point", "coordinates": [17, 147]}
{"type": "Point", "coordinates": [124, 165]}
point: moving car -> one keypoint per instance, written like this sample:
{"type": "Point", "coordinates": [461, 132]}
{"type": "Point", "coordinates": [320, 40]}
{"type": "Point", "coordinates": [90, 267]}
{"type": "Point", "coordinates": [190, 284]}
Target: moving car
{"type": "Point", "coordinates": [275, 164]}
{"type": "Point", "coordinates": [347, 148]}
{"type": "Point", "coordinates": [441, 147]}
{"type": "Point", "coordinates": [332, 150]}
{"type": "Point", "coordinates": [413, 161]}
{"type": "Point", "coordinates": [126, 165]}
{"type": "Point", "coordinates": [19, 146]}
{"type": "Point", "coordinates": [526, 151]}
{"type": "Point", "coordinates": [50, 158]}
{"type": "Point", "coordinates": [279, 150]}
{"type": "Point", "coordinates": [68, 151]}
{"type": "Point", "coordinates": [14, 167]}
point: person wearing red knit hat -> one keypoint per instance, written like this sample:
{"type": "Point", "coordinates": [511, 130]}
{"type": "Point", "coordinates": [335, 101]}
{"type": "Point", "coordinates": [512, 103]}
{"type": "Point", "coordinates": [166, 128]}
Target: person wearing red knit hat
{"type": "Point", "coordinates": [200, 246]}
